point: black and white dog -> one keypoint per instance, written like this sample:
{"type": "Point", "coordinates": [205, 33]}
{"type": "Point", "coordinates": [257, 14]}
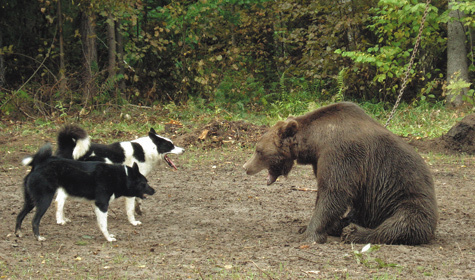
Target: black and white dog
{"type": "Point", "coordinates": [147, 152]}
{"type": "Point", "coordinates": [95, 181]}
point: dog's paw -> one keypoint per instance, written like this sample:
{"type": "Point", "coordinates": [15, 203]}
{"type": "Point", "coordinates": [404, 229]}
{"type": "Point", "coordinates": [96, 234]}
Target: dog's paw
{"type": "Point", "coordinates": [40, 238]}
{"type": "Point", "coordinates": [63, 221]}
{"type": "Point", "coordinates": [111, 238]}
{"type": "Point", "coordinates": [19, 234]}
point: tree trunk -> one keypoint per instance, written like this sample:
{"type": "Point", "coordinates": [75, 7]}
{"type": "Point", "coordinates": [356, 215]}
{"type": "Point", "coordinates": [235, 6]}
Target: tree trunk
{"type": "Point", "coordinates": [2, 65]}
{"type": "Point", "coordinates": [111, 44]}
{"type": "Point", "coordinates": [120, 58]}
{"type": "Point", "coordinates": [88, 35]}
{"type": "Point", "coordinates": [62, 67]}
{"type": "Point", "coordinates": [457, 65]}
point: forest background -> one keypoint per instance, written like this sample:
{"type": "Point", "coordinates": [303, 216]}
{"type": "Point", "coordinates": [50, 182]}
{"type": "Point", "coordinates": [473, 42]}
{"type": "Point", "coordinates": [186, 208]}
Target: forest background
{"type": "Point", "coordinates": [243, 56]}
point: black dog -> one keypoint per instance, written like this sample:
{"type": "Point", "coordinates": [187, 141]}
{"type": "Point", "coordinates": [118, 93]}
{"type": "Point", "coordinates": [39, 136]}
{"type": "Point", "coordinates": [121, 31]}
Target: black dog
{"type": "Point", "coordinates": [147, 152]}
{"type": "Point", "coordinates": [94, 181]}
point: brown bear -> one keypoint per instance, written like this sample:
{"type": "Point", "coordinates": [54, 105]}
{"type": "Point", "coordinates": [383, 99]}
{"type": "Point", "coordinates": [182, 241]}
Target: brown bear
{"type": "Point", "coordinates": [372, 186]}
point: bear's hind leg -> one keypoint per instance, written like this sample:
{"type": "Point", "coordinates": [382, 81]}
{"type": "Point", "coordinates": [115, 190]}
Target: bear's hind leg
{"type": "Point", "coordinates": [410, 225]}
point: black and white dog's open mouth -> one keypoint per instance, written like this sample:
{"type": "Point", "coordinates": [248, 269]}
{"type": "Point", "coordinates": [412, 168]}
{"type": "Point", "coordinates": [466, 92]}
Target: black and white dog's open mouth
{"type": "Point", "coordinates": [170, 162]}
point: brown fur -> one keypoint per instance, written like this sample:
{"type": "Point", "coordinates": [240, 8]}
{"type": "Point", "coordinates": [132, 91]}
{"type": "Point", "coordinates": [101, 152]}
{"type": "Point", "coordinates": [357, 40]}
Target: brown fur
{"type": "Point", "coordinates": [359, 165]}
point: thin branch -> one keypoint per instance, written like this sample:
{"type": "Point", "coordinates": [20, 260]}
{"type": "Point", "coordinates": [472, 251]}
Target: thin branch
{"type": "Point", "coordinates": [37, 61]}
{"type": "Point", "coordinates": [34, 73]}
{"type": "Point", "coordinates": [267, 274]}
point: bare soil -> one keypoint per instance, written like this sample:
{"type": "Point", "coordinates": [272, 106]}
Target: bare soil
{"type": "Point", "coordinates": [208, 220]}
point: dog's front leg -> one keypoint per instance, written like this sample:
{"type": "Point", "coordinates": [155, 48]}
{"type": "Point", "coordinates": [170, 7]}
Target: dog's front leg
{"type": "Point", "coordinates": [60, 200]}
{"type": "Point", "coordinates": [129, 209]}
{"type": "Point", "coordinates": [102, 223]}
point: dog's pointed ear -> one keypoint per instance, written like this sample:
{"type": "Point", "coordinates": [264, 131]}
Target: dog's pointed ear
{"type": "Point", "coordinates": [288, 129]}
{"type": "Point", "coordinates": [135, 167]}
{"type": "Point", "coordinates": [152, 134]}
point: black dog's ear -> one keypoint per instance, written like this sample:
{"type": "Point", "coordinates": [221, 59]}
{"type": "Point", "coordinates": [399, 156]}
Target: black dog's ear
{"type": "Point", "coordinates": [135, 167]}
{"type": "Point", "coordinates": [152, 130]}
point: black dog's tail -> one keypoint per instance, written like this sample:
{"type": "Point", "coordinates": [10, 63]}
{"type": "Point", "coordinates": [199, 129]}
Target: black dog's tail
{"type": "Point", "coordinates": [73, 142]}
{"type": "Point", "coordinates": [43, 154]}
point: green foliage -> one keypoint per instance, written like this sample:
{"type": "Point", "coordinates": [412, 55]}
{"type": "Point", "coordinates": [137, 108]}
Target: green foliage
{"type": "Point", "coordinates": [238, 92]}
{"type": "Point", "coordinates": [108, 90]}
{"type": "Point", "coordinates": [240, 56]}
{"type": "Point", "coordinates": [291, 97]}
{"type": "Point", "coordinates": [396, 25]}
{"type": "Point", "coordinates": [468, 8]}
{"type": "Point", "coordinates": [6, 50]}
{"type": "Point", "coordinates": [4, 106]}
{"type": "Point", "coordinates": [10, 102]}
{"type": "Point", "coordinates": [341, 86]}
{"type": "Point", "coordinates": [456, 88]}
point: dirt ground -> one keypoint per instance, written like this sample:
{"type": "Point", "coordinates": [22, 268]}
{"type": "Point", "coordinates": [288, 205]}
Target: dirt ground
{"type": "Point", "coordinates": [209, 220]}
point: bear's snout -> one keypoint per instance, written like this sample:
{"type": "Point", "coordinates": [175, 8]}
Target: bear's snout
{"type": "Point", "coordinates": [245, 167]}
{"type": "Point", "coordinates": [251, 167]}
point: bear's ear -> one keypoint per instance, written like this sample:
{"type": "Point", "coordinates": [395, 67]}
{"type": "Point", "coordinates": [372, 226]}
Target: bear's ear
{"type": "Point", "coordinates": [288, 129]}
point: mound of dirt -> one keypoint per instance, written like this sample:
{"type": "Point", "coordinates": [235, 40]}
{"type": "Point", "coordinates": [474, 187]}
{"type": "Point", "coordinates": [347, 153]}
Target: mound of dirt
{"type": "Point", "coordinates": [461, 137]}
{"type": "Point", "coordinates": [218, 133]}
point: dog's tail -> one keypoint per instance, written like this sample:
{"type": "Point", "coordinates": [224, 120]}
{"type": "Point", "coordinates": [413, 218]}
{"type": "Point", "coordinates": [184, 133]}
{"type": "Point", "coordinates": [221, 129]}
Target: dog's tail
{"type": "Point", "coordinates": [44, 153]}
{"type": "Point", "coordinates": [73, 142]}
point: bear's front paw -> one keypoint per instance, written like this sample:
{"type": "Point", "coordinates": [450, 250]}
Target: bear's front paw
{"type": "Point", "coordinates": [315, 237]}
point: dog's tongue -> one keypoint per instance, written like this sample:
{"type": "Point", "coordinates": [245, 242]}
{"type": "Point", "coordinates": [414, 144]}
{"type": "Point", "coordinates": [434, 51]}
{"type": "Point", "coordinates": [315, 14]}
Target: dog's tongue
{"type": "Point", "coordinates": [170, 162]}
{"type": "Point", "coordinates": [270, 179]}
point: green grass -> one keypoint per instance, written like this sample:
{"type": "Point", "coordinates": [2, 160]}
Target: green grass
{"type": "Point", "coordinates": [424, 121]}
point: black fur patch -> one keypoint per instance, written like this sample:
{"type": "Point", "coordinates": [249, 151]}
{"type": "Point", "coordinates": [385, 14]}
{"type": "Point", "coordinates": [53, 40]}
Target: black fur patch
{"type": "Point", "coordinates": [139, 153]}
{"type": "Point", "coordinates": [113, 152]}
{"type": "Point", "coordinates": [163, 145]}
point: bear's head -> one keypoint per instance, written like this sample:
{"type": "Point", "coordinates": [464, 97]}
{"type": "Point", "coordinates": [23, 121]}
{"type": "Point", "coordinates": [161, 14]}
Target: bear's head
{"type": "Point", "coordinates": [274, 151]}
